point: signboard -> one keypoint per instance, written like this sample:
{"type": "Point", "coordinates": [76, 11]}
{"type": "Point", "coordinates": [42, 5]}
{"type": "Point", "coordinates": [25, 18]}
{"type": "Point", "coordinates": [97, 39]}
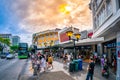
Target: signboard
{"type": "Point", "coordinates": [90, 34]}
{"type": "Point", "coordinates": [63, 37]}
{"type": "Point", "coordinates": [83, 34]}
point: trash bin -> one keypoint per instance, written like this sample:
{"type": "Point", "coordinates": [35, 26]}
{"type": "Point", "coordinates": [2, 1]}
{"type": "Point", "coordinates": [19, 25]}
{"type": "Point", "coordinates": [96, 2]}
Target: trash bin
{"type": "Point", "coordinates": [71, 67]}
{"type": "Point", "coordinates": [76, 65]}
{"type": "Point", "coordinates": [80, 64]}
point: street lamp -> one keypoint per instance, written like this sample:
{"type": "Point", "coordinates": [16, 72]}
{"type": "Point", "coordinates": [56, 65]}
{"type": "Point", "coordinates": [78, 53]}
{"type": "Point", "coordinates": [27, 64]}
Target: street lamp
{"type": "Point", "coordinates": [77, 36]}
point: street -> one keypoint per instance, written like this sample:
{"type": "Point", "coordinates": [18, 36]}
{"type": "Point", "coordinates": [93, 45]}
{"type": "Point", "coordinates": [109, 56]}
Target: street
{"type": "Point", "coordinates": [60, 40]}
{"type": "Point", "coordinates": [10, 69]}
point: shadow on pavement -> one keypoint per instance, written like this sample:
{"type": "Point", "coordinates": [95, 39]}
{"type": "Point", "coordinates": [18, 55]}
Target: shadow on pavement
{"type": "Point", "coordinates": [59, 75]}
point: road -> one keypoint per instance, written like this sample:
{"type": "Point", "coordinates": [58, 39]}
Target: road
{"type": "Point", "coordinates": [10, 69]}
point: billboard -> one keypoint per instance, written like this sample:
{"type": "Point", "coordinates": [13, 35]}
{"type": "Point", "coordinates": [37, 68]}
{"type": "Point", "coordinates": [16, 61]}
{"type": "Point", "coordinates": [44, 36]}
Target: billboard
{"type": "Point", "coordinates": [83, 34]}
{"type": "Point", "coordinates": [63, 37]}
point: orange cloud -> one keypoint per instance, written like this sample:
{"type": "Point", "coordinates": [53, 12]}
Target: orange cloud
{"type": "Point", "coordinates": [38, 15]}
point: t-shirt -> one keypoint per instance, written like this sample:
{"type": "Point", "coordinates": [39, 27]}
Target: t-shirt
{"type": "Point", "coordinates": [50, 59]}
{"type": "Point", "coordinates": [91, 67]}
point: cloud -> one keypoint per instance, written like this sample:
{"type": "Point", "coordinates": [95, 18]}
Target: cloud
{"type": "Point", "coordinates": [25, 37]}
{"type": "Point", "coordinates": [39, 15]}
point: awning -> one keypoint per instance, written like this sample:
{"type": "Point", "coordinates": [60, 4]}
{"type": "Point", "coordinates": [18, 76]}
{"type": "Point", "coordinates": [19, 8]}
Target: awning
{"type": "Point", "coordinates": [89, 41]}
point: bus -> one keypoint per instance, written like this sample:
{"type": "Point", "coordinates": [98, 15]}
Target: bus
{"type": "Point", "coordinates": [23, 50]}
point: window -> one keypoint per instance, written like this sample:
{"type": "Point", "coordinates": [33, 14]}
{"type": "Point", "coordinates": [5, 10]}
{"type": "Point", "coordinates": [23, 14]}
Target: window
{"type": "Point", "coordinates": [119, 3]}
{"type": "Point", "coordinates": [108, 7]}
{"type": "Point", "coordinates": [98, 2]}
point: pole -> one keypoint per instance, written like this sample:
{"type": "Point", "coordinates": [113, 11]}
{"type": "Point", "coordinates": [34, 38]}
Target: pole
{"type": "Point", "coordinates": [74, 55]}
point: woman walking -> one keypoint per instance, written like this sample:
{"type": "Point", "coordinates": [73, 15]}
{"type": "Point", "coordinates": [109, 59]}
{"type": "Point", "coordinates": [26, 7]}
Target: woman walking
{"type": "Point", "coordinates": [43, 63]}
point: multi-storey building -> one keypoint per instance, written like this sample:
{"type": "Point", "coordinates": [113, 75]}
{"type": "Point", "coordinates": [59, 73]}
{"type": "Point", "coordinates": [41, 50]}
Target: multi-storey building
{"type": "Point", "coordinates": [106, 23]}
{"type": "Point", "coordinates": [6, 36]}
{"type": "Point", "coordinates": [9, 36]}
{"type": "Point", "coordinates": [46, 38]}
{"type": "Point", "coordinates": [15, 40]}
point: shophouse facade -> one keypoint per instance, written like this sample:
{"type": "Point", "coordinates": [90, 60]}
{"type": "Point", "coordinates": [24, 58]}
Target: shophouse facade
{"type": "Point", "coordinates": [85, 45]}
{"type": "Point", "coordinates": [106, 23]}
{"type": "Point", "coordinates": [46, 38]}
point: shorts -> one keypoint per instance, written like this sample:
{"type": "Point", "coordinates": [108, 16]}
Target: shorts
{"type": "Point", "coordinates": [50, 62]}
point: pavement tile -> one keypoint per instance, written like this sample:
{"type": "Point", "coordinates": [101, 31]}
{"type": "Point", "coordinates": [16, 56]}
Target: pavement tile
{"type": "Point", "coordinates": [58, 75]}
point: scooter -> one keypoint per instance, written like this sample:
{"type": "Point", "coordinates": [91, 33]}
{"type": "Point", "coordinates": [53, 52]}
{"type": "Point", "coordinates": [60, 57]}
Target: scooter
{"type": "Point", "coordinates": [105, 72]}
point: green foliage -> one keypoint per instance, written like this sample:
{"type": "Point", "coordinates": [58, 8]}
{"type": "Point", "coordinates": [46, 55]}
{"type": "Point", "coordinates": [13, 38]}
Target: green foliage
{"type": "Point", "coordinates": [14, 48]}
{"type": "Point", "coordinates": [5, 41]}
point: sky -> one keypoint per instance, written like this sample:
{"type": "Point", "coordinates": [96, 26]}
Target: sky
{"type": "Point", "coordinates": [25, 17]}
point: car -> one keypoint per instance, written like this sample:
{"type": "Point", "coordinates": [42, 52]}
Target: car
{"type": "Point", "coordinates": [3, 55]}
{"type": "Point", "coordinates": [10, 56]}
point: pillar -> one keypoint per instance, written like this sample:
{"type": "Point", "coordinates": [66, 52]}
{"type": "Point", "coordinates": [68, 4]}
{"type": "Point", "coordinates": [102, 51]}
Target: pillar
{"type": "Point", "coordinates": [99, 49]}
{"type": "Point", "coordinates": [118, 56]}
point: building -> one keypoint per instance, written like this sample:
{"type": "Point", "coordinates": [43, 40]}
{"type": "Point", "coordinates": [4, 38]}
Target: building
{"type": "Point", "coordinates": [46, 38]}
{"type": "Point", "coordinates": [106, 23]}
{"type": "Point", "coordinates": [8, 36]}
{"type": "Point", "coordinates": [15, 40]}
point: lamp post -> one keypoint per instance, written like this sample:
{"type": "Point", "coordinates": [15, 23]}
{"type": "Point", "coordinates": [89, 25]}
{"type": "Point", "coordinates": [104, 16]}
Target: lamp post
{"type": "Point", "coordinates": [77, 37]}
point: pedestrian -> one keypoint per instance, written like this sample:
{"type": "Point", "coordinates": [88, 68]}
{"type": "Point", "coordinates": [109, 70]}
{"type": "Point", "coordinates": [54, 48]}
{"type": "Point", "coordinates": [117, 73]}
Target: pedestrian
{"type": "Point", "coordinates": [50, 61]}
{"type": "Point", "coordinates": [90, 70]}
{"type": "Point", "coordinates": [68, 57]}
{"type": "Point", "coordinates": [102, 62]}
{"type": "Point", "coordinates": [43, 63]}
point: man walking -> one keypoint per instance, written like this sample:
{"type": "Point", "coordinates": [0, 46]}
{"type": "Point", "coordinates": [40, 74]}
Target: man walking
{"type": "Point", "coordinates": [90, 70]}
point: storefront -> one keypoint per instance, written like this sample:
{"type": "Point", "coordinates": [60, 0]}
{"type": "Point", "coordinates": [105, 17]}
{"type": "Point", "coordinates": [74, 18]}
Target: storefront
{"type": "Point", "coordinates": [109, 50]}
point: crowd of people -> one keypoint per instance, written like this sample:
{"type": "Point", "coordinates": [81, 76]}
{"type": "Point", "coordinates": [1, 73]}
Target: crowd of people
{"type": "Point", "coordinates": [41, 61]}
{"type": "Point", "coordinates": [45, 61]}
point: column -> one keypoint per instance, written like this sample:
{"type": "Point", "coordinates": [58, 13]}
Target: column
{"type": "Point", "coordinates": [99, 49]}
{"type": "Point", "coordinates": [118, 56]}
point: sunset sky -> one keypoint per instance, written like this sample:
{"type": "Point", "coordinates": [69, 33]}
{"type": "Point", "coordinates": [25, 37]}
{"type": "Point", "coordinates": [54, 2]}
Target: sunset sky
{"type": "Point", "coordinates": [25, 17]}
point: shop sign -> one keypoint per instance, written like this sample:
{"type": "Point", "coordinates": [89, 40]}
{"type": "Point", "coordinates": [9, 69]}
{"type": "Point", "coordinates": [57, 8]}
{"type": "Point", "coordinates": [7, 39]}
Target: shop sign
{"type": "Point", "coordinates": [111, 45]}
{"type": "Point", "coordinates": [83, 34]}
{"type": "Point", "coordinates": [63, 37]}
{"type": "Point", "coordinates": [90, 34]}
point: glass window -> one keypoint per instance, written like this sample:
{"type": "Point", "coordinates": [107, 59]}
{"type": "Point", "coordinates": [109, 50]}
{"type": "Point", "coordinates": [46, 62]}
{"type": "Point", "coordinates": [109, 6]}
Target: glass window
{"type": "Point", "coordinates": [98, 2]}
{"type": "Point", "coordinates": [109, 7]}
{"type": "Point", "coordinates": [119, 3]}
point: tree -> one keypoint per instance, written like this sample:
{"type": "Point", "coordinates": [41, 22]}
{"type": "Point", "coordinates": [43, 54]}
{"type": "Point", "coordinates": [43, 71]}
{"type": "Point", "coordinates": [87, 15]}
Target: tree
{"type": "Point", "coordinates": [5, 41]}
{"type": "Point", "coordinates": [1, 40]}
{"type": "Point", "coordinates": [14, 48]}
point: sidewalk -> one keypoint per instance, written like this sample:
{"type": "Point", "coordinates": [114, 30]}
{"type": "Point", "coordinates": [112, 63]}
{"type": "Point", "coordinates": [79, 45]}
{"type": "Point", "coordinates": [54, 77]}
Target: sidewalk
{"type": "Point", "coordinates": [80, 75]}
{"type": "Point", "coordinates": [60, 72]}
